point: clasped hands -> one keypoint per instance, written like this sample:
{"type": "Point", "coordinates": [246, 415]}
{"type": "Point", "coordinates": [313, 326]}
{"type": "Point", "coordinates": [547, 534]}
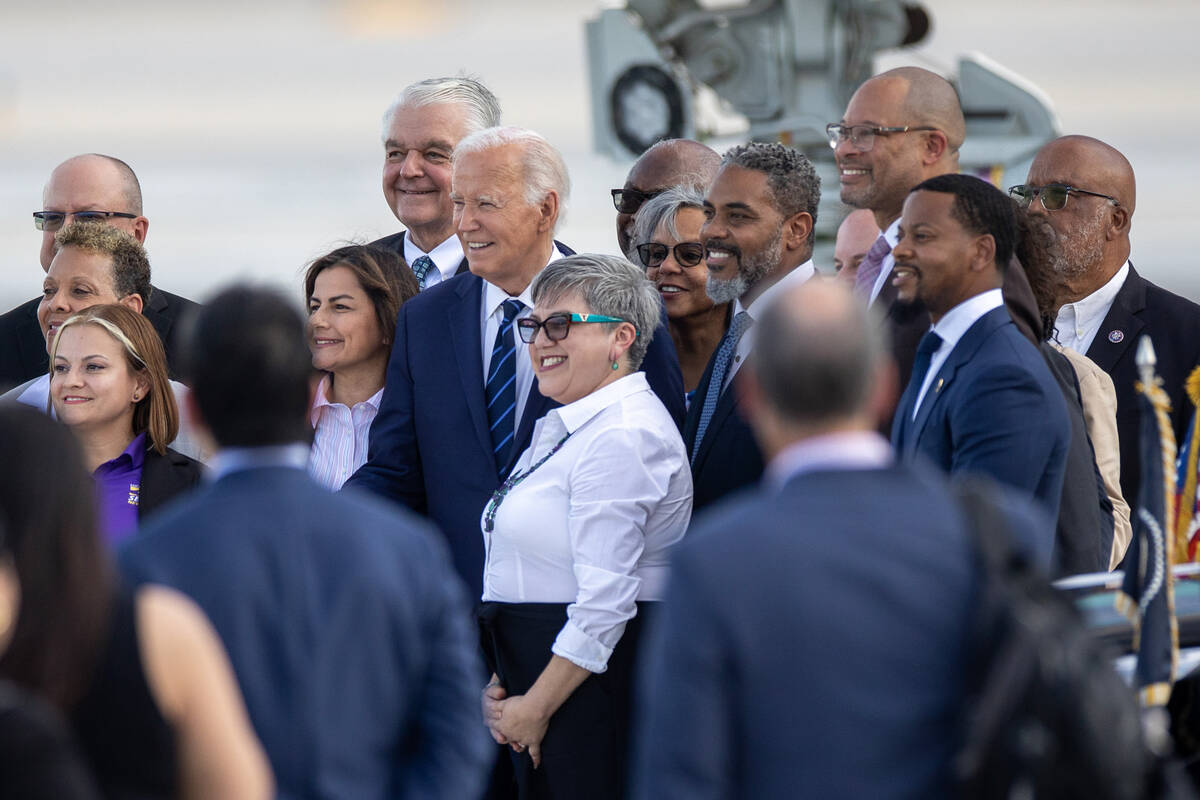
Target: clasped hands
{"type": "Point", "coordinates": [518, 721]}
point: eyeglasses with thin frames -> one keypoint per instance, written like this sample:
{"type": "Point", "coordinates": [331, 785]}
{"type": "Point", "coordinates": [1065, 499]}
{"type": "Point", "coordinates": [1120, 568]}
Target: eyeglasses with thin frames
{"type": "Point", "coordinates": [1052, 196]}
{"type": "Point", "coordinates": [53, 220]}
{"type": "Point", "coordinates": [557, 326]}
{"type": "Point", "coordinates": [862, 137]}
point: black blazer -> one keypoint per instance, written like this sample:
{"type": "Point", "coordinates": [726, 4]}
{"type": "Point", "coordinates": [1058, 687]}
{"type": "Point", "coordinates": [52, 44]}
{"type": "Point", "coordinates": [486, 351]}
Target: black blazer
{"type": "Point", "coordinates": [23, 349]}
{"type": "Point", "coordinates": [395, 243]}
{"type": "Point", "coordinates": [164, 478]}
{"type": "Point", "coordinates": [1173, 325]}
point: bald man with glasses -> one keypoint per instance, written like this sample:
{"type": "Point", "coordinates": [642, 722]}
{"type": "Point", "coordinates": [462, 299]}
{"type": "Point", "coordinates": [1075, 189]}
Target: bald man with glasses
{"type": "Point", "coordinates": [86, 187]}
{"type": "Point", "coordinates": [1085, 191]}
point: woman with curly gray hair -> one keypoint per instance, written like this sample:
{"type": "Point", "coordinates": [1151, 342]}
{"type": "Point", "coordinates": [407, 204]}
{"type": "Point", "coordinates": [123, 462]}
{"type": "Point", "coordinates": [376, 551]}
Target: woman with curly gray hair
{"type": "Point", "coordinates": [577, 538]}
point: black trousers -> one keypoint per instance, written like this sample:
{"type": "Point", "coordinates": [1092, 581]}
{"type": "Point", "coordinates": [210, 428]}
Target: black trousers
{"type": "Point", "coordinates": [585, 750]}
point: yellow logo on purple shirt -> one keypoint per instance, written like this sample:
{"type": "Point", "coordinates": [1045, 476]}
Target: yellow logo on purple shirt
{"type": "Point", "coordinates": [134, 490]}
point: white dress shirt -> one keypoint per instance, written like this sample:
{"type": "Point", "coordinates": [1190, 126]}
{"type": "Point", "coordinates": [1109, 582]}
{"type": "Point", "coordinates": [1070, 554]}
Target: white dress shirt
{"type": "Point", "coordinates": [445, 257]}
{"type": "Point", "coordinates": [842, 450]}
{"type": "Point", "coordinates": [793, 279]}
{"type": "Point", "coordinates": [594, 524]}
{"type": "Point", "coordinates": [493, 316]}
{"type": "Point", "coordinates": [892, 234]}
{"type": "Point", "coordinates": [951, 327]}
{"type": "Point", "coordinates": [340, 436]}
{"type": "Point", "coordinates": [1079, 322]}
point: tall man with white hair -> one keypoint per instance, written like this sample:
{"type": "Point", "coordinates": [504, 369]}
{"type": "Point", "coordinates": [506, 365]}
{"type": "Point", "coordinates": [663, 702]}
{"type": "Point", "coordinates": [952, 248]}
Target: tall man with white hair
{"type": "Point", "coordinates": [461, 399]}
{"type": "Point", "coordinates": [421, 128]}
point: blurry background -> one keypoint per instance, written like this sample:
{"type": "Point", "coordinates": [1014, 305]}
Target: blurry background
{"type": "Point", "coordinates": [254, 124]}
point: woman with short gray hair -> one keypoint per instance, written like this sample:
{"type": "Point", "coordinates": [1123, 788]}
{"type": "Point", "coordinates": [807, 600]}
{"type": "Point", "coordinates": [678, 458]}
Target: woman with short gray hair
{"type": "Point", "coordinates": [577, 538]}
{"type": "Point", "coordinates": [666, 235]}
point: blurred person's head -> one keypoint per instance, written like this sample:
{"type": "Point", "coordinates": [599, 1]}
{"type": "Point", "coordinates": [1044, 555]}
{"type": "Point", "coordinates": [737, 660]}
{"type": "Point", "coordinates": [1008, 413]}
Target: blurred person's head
{"type": "Point", "coordinates": [90, 187]}
{"type": "Point", "coordinates": [247, 356]}
{"type": "Point", "coordinates": [510, 191]}
{"type": "Point", "coordinates": [421, 128]}
{"type": "Point", "coordinates": [593, 319]}
{"type": "Point", "coordinates": [94, 264]}
{"type": "Point", "coordinates": [855, 236]}
{"type": "Point", "coordinates": [1085, 191]}
{"type": "Point", "coordinates": [666, 235]}
{"type": "Point", "coordinates": [108, 377]}
{"type": "Point", "coordinates": [666, 164]}
{"type": "Point", "coordinates": [820, 364]}
{"type": "Point", "coordinates": [48, 509]}
{"type": "Point", "coordinates": [760, 215]}
{"type": "Point", "coordinates": [900, 128]}
{"type": "Point", "coordinates": [353, 294]}
{"type": "Point", "coordinates": [957, 236]}
{"type": "Point", "coordinates": [10, 591]}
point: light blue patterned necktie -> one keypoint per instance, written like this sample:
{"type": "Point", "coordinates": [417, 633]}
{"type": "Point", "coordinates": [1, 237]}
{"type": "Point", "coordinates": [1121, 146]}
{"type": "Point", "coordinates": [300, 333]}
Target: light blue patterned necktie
{"type": "Point", "coordinates": [720, 369]}
{"type": "Point", "coordinates": [421, 268]}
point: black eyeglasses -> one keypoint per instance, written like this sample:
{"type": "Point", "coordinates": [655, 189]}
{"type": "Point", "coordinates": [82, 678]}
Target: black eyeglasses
{"type": "Point", "coordinates": [53, 220]}
{"type": "Point", "coordinates": [1053, 196]}
{"type": "Point", "coordinates": [687, 254]}
{"type": "Point", "coordinates": [556, 326]}
{"type": "Point", "coordinates": [628, 201]}
{"type": "Point", "coordinates": [863, 136]}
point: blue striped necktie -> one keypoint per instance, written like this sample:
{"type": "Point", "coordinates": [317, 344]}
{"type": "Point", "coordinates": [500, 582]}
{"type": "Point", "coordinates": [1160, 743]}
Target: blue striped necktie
{"type": "Point", "coordinates": [421, 268]}
{"type": "Point", "coordinates": [720, 369]}
{"type": "Point", "coordinates": [501, 388]}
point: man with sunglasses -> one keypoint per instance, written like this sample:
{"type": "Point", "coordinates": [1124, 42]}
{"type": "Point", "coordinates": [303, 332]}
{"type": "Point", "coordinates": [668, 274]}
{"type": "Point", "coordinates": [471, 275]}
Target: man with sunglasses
{"type": "Point", "coordinates": [902, 127]}
{"type": "Point", "coordinates": [1085, 191]}
{"type": "Point", "coordinates": [91, 187]}
{"type": "Point", "coordinates": [669, 163]}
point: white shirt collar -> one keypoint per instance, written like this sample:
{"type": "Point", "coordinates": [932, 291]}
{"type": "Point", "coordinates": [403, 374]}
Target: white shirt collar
{"type": "Point", "coordinates": [321, 401]}
{"type": "Point", "coordinates": [574, 415]}
{"type": "Point", "coordinates": [955, 322]}
{"type": "Point", "coordinates": [843, 450]}
{"type": "Point", "coordinates": [446, 256]}
{"type": "Point", "coordinates": [494, 296]}
{"type": "Point", "coordinates": [1091, 310]}
{"type": "Point", "coordinates": [792, 279]}
{"type": "Point", "coordinates": [892, 235]}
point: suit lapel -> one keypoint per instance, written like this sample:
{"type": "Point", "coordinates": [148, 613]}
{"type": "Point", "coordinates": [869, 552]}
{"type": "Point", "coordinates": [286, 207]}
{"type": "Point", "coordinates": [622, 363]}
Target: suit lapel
{"type": "Point", "coordinates": [963, 352]}
{"type": "Point", "coordinates": [691, 423]}
{"type": "Point", "coordinates": [467, 337]}
{"type": "Point", "coordinates": [1122, 317]}
{"type": "Point", "coordinates": [726, 405]}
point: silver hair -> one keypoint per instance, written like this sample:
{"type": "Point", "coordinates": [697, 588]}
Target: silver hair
{"type": "Point", "coordinates": [482, 107]}
{"type": "Point", "coordinates": [543, 166]}
{"type": "Point", "coordinates": [793, 180]}
{"type": "Point", "coordinates": [609, 285]}
{"type": "Point", "coordinates": [662, 209]}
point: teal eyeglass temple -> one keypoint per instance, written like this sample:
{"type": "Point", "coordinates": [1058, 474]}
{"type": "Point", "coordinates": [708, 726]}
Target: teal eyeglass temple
{"type": "Point", "coordinates": [557, 326]}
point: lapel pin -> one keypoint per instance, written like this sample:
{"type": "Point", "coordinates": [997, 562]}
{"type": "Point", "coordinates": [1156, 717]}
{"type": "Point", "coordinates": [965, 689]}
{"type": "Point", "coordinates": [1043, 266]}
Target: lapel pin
{"type": "Point", "coordinates": [1116, 336]}
{"type": "Point", "coordinates": [938, 388]}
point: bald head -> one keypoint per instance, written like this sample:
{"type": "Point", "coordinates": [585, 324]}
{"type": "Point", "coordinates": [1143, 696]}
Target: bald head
{"type": "Point", "coordinates": [929, 99]}
{"type": "Point", "coordinates": [1091, 233]}
{"type": "Point", "coordinates": [855, 236]}
{"type": "Point", "coordinates": [669, 163]}
{"type": "Point", "coordinates": [93, 182]}
{"type": "Point", "coordinates": [817, 359]}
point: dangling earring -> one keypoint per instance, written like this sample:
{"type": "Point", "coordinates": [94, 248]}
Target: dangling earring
{"type": "Point", "coordinates": [615, 365]}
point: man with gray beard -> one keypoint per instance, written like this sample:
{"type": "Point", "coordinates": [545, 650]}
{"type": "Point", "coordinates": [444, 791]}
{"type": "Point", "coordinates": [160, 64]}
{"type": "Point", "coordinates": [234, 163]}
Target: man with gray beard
{"type": "Point", "coordinates": [1085, 191]}
{"type": "Point", "coordinates": [758, 236]}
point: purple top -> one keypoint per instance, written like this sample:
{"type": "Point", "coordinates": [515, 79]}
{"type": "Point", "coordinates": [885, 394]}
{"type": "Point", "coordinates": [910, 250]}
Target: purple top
{"type": "Point", "coordinates": [118, 486]}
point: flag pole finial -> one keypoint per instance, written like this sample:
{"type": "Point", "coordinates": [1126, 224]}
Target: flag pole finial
{"type": "Point", "coordinates": [1146, 360]}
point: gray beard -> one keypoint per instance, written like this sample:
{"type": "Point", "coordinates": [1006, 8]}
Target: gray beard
{"type": "Point", "coordinates": [1078, 253]}
{"type": "Point", "coordinates": [751, 270]}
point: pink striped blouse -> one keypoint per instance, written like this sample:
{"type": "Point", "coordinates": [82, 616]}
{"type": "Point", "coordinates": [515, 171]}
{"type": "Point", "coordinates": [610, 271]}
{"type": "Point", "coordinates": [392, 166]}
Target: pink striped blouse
{"type": "Point", "coordinates": [340, 440]}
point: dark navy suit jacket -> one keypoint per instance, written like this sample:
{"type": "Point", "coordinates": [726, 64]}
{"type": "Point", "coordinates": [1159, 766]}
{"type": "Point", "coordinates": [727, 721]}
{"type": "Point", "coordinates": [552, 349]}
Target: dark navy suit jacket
{"type": "Point", "coordinates": [728, 458]}
{"type": "Point", "coordinates": [812, 644]}
{"type": "Point", "coordinates": [1173, 325]}
{"type": "Point", "coordinates": [992, 409]}
{"type": "Point", "coordinates": [430, 446]}
{"type": "Point", "coordinates": [348, 631]}
{"type": "Point", "coordinates": [23, 348]}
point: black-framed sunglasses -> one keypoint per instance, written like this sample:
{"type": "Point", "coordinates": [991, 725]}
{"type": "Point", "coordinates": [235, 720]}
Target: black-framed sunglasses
{"type": "Point", "coordinates": [687, 254]}
{"type": "Point", "coordinates": [863, 136]}
{"type": "Point", "coordinates": [53, 220]}
{"type": "Point", "coordinates": [628, 201]}
{"type": "Point", "coordinates": [557, 326]}
{"type": "Point", "coordinates": [1052, 196]}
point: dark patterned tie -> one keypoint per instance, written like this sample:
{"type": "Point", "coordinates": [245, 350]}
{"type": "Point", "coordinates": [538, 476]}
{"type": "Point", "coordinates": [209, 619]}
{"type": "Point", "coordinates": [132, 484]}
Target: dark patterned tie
{"type": "Point", "coordinates": [501, 388]}
{"type": "Point", "coordinates": [421, 268]}
{"type": "Point", "coordinates": [929, 345]}
{"type": "Point", "coordinates": [869, 268]}
{"type": "Point", "coordinates": [720, 369]}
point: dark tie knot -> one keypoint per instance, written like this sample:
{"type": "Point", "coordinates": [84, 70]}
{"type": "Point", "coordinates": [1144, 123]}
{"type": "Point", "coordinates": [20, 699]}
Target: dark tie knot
{"type": "Point", "coordinates": [930, 343]}
{"type": "Point", "coordinates": [512, 307]}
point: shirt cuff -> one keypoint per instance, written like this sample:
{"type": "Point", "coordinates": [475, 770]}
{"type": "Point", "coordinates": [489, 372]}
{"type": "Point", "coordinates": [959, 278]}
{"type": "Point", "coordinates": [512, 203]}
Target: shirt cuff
{"type": "Point", "coordinates": [580, 649]}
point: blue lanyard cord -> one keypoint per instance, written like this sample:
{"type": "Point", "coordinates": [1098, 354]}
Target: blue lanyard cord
{"type": "Point", "coordinates": [489, 516]}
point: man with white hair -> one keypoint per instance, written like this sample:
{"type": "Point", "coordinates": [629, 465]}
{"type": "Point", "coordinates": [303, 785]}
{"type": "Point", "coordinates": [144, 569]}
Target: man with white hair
{"type": "Point", "coordinates": [421, 128]}
{"type": "Point", "coordinates": [461, 400]}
